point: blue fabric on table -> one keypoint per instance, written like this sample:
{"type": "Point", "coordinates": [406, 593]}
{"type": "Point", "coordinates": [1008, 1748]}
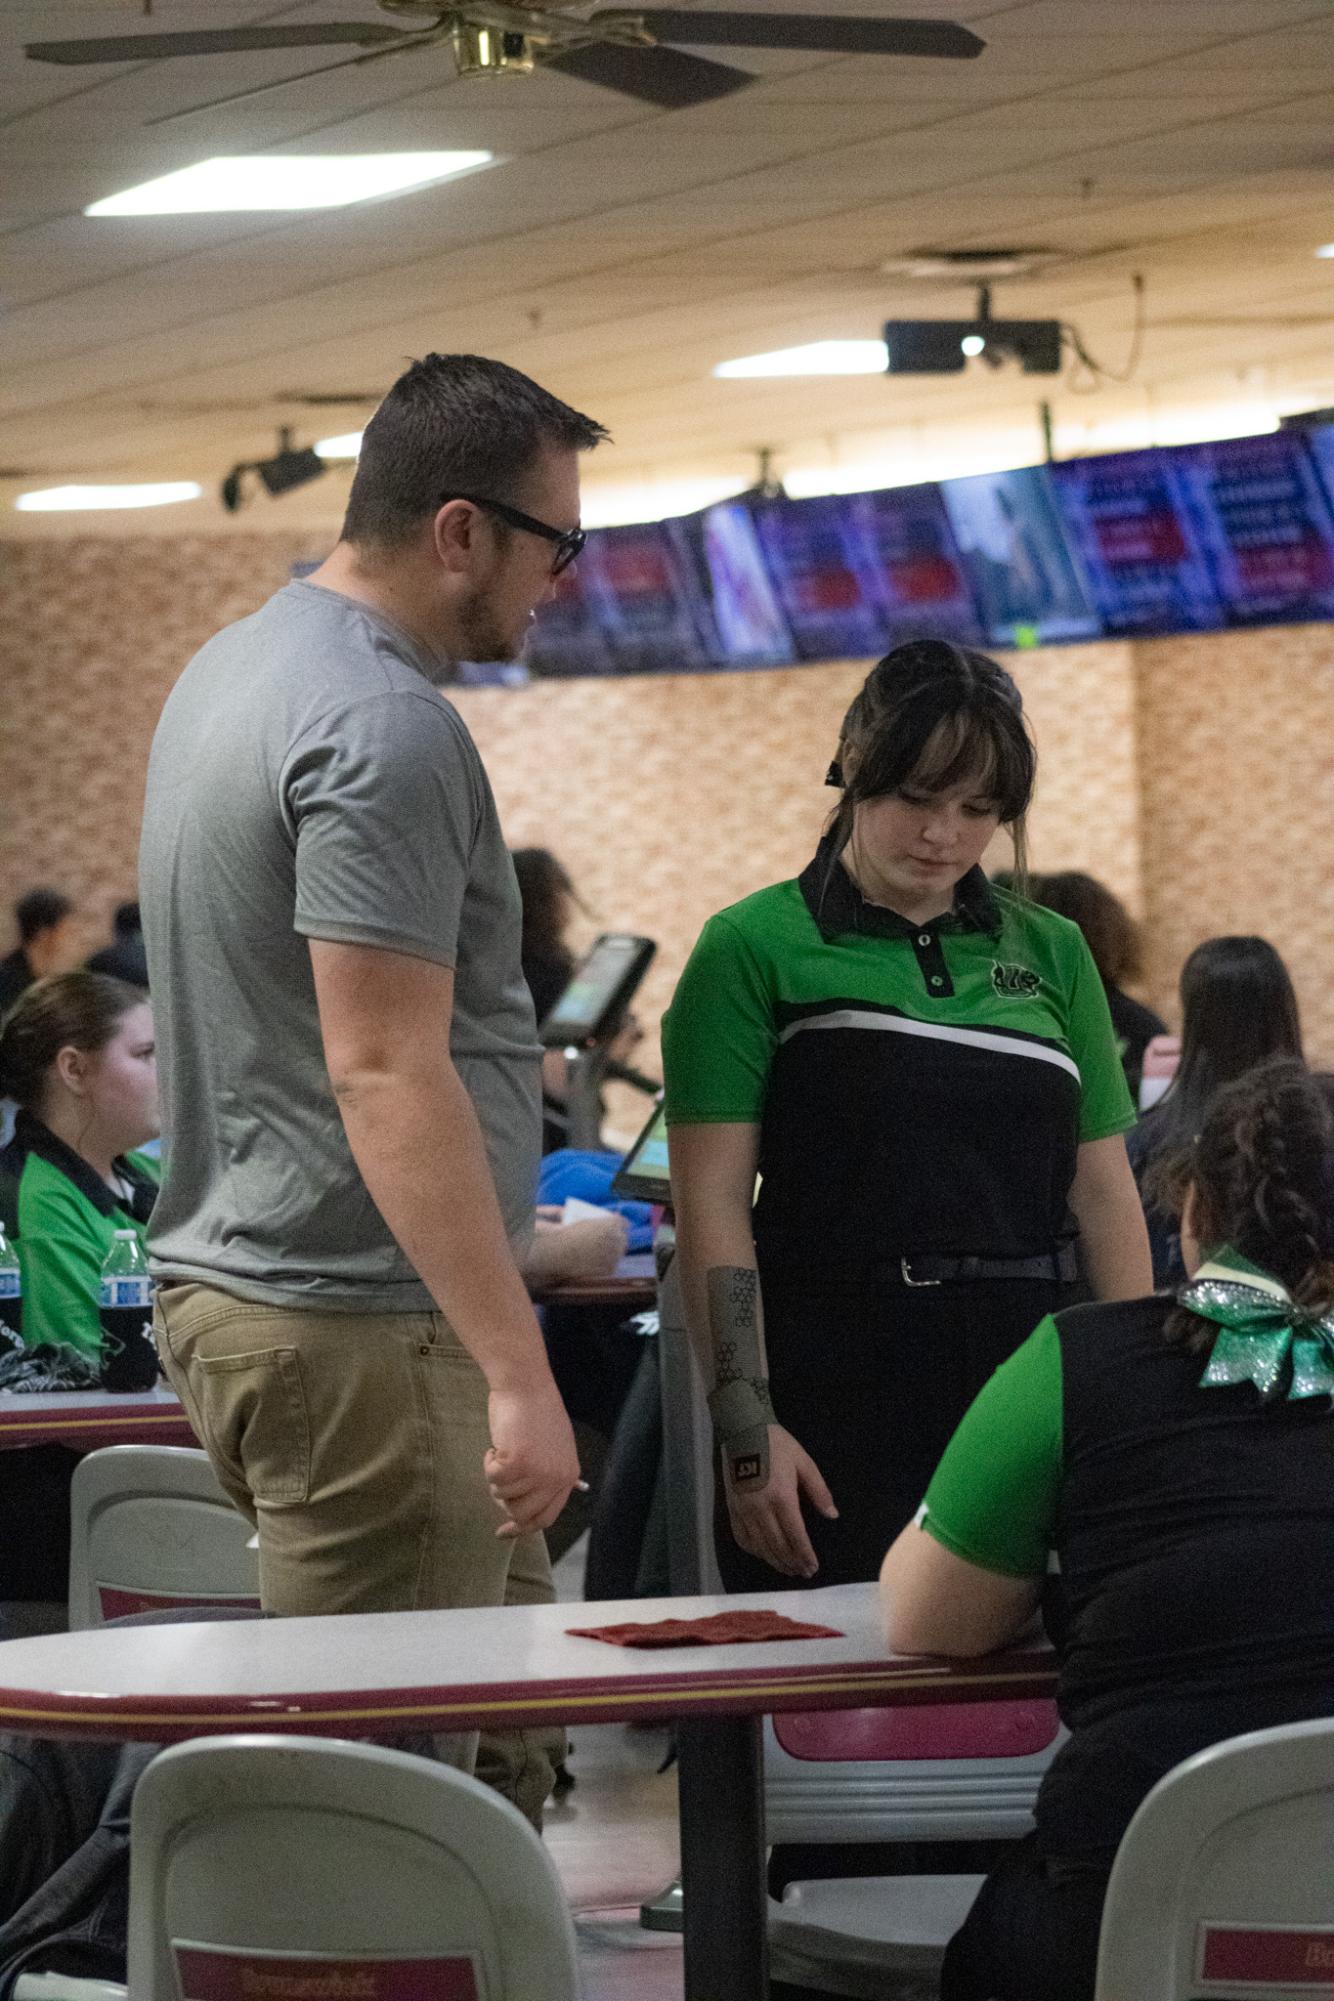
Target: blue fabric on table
{"type": "Point", "coordinates": [586, 1174]}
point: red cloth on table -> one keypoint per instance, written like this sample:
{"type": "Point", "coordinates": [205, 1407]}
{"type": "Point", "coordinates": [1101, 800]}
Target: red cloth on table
{"type": "Point", "coordinates": [719, 1629]}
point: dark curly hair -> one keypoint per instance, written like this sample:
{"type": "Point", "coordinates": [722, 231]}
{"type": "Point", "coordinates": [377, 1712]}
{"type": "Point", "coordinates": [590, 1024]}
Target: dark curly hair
{"type": "Point", "coordinates": [1262, 1171]}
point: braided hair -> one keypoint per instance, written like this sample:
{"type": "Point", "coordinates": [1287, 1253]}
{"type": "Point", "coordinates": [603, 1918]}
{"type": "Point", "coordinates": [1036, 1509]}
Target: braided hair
{"type": "Point", "coordinates": [933, 714]}
{"type": "Point", "coordinates": [1262, 1171]}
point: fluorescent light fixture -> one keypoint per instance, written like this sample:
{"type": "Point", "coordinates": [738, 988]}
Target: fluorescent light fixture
{"type": "Point", "coordinates": [281, 181]}
{"type": "Point", "coordinates": [818, 357]}
{"type": "Point", "coordinates": [62, 499]}
{"type": "Point", "coordinates": [1202, 427]}
{"type": "Point", "coordinates": [655, 500]}
{"type": "Point", "coordinates": [1325, 250]}
{"type": "Point", "coordinates": [973, 344]}
{"type": "Point", "coordinates": [347, 445]}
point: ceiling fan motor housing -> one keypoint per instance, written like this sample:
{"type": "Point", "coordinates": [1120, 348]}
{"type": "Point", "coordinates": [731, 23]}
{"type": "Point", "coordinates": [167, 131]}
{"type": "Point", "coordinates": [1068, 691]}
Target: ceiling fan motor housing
{"type": "Point", "coordinates": [482, 51]}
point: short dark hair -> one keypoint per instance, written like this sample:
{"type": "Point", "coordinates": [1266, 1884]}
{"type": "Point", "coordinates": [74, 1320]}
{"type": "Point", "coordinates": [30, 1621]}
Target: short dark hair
{"type": "Point", "coordinates": [453, 423]}
{"type": "Point", "coordinates": [1110, 932]}
{"type": "Point", "coordinates": [933, 714]}
{"type": "Point", "coordinates": [66, 1010]}
{"type": "Point", "coordinates": [40, 910]}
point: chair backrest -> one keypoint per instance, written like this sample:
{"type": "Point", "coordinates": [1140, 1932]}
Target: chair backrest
{"type": "Point", "coordinates": [1223, 1883]}
{"type": "Point", "coordinates": [938, 1772]}
{"type": "Point", "coordinates": [289, 1865]}
{"type": "Point", "coordinates": [151, 1528]}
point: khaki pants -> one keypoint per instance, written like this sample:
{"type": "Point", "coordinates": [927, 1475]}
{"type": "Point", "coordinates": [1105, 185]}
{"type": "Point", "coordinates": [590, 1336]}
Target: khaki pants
{"type": "Point", "coordinates": [355, 1443]}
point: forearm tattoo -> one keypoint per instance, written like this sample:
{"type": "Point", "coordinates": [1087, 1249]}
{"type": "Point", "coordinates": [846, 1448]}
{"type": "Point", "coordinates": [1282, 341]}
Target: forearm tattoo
{"type": "Point", "coordinates": [739, 1401]}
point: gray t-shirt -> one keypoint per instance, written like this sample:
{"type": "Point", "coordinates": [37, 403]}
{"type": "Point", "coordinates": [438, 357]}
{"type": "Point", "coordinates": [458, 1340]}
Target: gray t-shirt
{"type": "Point", "coordinates": [308, 780]}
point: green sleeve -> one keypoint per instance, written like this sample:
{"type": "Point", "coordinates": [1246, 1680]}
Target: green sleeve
{"type": "Point", "coordinates": [1106, 1106]}
{"type": "Point", "coordinates": [992, 1499]}
{"type": "Point", "coordinates": [718, 1036]}
{"type": "Point", "coordinates": [60, 1254]}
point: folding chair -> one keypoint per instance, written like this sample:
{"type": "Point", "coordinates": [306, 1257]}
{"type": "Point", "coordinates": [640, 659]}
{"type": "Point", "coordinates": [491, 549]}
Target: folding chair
{"type": "Point", "coordinates": [1222, 1884]}
{"type": "Point", "coordinates": [258, 1861]}
{"type": "Point", "coordinates": [151, 1528]}
{"type": "Point", "coordinates": [941, 1772]}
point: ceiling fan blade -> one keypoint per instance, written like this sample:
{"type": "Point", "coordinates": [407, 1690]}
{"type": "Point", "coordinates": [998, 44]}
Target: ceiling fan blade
{"type": "Point", "coordinates": [281, 82]}
{"type": "Point", "coordinates": [836, 33]}
{"type": "Point", "coordinates": [209, 42]}
{"type": "Point", "coordinates": [665, 77]}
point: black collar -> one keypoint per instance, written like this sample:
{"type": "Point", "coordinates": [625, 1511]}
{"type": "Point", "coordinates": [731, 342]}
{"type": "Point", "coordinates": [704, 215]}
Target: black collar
{"type": "Point", "coordinates": [31, 1136]}
{"type": "Point", "coordinates": [838, 906]}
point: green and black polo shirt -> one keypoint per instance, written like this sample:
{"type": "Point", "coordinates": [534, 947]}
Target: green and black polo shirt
{"type": "Point", "coordinates": [919, 1088]}
{"type": "Point", "coordinates": [1194, 1528]}
{"type": "Point", "coordinates": [63, 1220]}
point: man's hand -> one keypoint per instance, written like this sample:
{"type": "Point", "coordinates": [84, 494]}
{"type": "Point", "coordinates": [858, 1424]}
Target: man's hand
{"type": "Point", "coordinates": [766, 1519]}
{"type": "Point", "coordinates": [532, 1464]}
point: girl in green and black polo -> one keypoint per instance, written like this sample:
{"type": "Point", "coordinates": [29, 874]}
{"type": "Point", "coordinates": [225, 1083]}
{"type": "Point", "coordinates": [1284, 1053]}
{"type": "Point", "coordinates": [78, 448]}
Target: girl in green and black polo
{"type": "Point", "coordinates": [76, 1055]}
{"type": "Point", "coordinates": [923, 1073]}
{"type": "Point", "coordinates": [1178, 1455]}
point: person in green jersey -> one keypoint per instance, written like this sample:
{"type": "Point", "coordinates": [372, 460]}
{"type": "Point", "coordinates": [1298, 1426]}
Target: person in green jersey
{"type": "Point", "coordinates": [922, 1071]}
{"type": "Point", "coordinates": [1177, 1454]}
{"type": "Point", "coordinates": [76, 1055]}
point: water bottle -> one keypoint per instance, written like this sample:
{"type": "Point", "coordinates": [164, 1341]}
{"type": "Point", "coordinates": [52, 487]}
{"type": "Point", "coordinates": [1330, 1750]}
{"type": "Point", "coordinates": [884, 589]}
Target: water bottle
{"type": "Point", "coordinates": [125, 1305]}
{"type": "Point", "coordinates": [11, 1292]}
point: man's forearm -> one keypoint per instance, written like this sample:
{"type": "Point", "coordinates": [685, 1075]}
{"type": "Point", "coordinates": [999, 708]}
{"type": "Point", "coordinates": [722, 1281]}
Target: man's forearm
{"type": "Point", "coordinates": [418, 1145]}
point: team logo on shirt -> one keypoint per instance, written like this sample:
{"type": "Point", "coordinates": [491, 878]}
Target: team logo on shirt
{"type": "Point", "coordinates": [1017, 980]}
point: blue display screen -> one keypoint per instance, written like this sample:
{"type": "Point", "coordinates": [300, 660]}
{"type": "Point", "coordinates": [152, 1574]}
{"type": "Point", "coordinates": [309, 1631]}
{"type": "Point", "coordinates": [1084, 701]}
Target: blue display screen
{"type": "Point", "coordinates": [746, 615]}
{"type": "Point", "coordinates": [566, 637]}
{"type": "Point", "coordinates": [916, 570]}
{"type": "Point", "coordinates": [1026, 580]}
{"type": "Point", "coordinates": [1131, 523]}
{"type": "Point", "coordinates": [647, 603]}
{"type": "Point", "coordinates": [1265, 524]}
{"type": "Point", "coordinates": [823, 576]}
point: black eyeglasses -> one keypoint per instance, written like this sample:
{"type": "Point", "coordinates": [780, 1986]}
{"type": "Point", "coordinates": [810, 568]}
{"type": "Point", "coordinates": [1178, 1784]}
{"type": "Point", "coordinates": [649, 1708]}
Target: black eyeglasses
{"type": "Point", "coordinates": [569, 541]}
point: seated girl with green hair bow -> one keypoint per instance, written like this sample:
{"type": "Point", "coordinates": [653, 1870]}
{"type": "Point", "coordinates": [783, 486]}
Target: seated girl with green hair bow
{"type": "Point", "coordinates": [1177, 1454]}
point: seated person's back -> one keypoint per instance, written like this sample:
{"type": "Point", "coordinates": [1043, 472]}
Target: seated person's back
{"type": "Point", "coordinates": [1178, 1454]}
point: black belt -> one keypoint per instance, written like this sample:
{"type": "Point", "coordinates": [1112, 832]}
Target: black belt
{"type": "Point", "coordinates": [1061, 1265]}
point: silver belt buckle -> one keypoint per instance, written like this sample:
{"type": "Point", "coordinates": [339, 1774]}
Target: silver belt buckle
{"type": "Point", "coordinates": [917, 1283]}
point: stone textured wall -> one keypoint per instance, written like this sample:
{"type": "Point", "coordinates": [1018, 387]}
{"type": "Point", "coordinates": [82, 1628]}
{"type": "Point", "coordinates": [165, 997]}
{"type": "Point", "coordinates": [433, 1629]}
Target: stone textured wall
{"type": "Point", "coordinates": [1194, 775]}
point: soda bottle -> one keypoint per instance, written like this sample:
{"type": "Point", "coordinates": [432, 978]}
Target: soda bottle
{"type": "Point", "coordinates": [125, 1304]}
{"type": "Point", "coordinates": [11, 1292]}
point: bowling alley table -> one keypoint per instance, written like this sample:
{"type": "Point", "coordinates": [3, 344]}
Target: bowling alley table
{"type": "Point", "coordinates": [86, 1419]}
{"type": "Point", "coordinates": [387, 1674]}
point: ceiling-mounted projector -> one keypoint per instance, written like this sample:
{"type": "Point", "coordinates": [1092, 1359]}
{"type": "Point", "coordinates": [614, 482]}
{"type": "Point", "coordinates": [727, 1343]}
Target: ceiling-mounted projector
{"type": "Point", "coordinates": [945, 347]}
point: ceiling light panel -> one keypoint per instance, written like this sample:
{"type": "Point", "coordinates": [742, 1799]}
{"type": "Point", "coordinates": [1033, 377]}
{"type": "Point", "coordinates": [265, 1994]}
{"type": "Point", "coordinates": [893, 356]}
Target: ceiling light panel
{"type": "Point", "coordinates": [71, 499]}
{"type": "Point", "coordinates": [818, 357]}
{"type": "Point", "coordinates": [282, 181]}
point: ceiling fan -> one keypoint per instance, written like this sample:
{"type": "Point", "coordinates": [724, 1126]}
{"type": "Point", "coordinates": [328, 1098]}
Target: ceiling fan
{"type": "Point", "coordinates": [620, 48]}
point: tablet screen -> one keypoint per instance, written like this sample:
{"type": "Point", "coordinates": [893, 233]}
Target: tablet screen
{"type": "Point", "coordinates": [599, 989]}
{"type": "Point", "coordinates": [643, 1175]}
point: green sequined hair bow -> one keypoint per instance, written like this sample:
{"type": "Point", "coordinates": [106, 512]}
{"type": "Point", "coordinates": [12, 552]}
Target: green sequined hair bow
{"type": "Point", "coordinates": [1264, 1337]}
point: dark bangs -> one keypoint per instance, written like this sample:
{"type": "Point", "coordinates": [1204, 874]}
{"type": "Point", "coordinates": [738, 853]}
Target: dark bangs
{"type": "Point", "coordinates": [941, 735]}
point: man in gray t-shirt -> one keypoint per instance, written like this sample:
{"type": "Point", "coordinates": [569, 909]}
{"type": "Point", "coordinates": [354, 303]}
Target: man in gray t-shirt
{"type": "Point", "coordinates": [346, 1045]}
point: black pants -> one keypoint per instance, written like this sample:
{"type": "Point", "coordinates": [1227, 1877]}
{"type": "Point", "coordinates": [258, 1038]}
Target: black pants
{"type": "Point", "coordinates": [872, 1381]}
{"type": "Point", "coordinates": [34, 1521]}
{"type": "Point", "coordinates": [1032, 1935]}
